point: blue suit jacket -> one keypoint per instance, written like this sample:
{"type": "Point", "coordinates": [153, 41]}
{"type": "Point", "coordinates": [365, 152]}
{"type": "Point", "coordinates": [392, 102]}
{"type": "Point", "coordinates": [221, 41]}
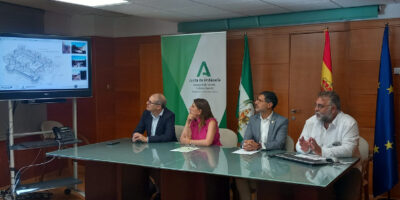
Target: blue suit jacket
{"type": "Point", "coordinates": [277, 131]}
{"type": "Point", "coordinates": [165, 130]}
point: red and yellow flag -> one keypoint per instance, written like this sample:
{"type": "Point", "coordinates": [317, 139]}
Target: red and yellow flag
{"type": "Point", "coordinates": [326, 72]}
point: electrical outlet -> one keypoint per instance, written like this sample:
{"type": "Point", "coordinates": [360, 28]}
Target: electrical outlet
{"type": "Point", "coordinates": [396, 70]}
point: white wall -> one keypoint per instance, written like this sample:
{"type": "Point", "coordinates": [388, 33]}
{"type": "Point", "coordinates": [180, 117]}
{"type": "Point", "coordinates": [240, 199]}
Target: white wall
{"type": "Point", "coordinates": [137, 26]}
{"type": "Point", "coordinates": [94, 25]}
{"type": "Point", "coordinates": [390, 11]}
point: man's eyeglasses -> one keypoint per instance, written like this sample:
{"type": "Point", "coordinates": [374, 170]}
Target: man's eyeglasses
{"type": "Point", "coordinates": [320, 106]}
{"type": "Point", "coordinates": [260, 100]}
{"type": "Point", "coordinates": [155, 103]}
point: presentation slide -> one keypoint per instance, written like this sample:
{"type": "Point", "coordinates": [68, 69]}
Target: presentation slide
{"type": "Point", "coordinates": [43, 64]}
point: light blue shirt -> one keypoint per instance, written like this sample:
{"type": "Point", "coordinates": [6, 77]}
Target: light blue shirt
{"type": "Point", "coordinates": [155, 122]}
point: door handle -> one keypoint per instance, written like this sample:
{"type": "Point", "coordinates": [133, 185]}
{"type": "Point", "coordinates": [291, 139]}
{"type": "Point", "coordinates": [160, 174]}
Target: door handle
{"type": "Point", "coordinates": [293, 110]}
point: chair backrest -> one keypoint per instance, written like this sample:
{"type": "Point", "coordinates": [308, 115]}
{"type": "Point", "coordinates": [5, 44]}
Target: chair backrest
{"type": "Point", "coordinates": [228, 138]}
{"type": "Point", "coordinates": [178, 131]}
{"type": "Point", "coordinates": [363, 147]}
{"type": "Point", "coordinates": [289, 144]}
{"type": "Point", "coordinates": [49, 125]}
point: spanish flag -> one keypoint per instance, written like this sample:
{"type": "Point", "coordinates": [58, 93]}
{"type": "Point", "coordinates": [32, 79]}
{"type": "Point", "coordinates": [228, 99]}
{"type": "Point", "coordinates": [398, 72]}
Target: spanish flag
{"type": "Point", "coordinates": [326, 72]}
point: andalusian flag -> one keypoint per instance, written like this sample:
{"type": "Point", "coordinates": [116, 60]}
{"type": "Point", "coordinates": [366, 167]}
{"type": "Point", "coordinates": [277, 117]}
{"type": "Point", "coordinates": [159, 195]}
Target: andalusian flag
{"type": "Point", "coordinates": [245, 107]}
{"type": "Point", "coordinates": [385, 169]}
{"type": "Point", "coordinates": [326, 72]}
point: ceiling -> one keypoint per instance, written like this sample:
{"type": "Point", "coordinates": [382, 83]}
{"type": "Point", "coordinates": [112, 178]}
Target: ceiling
{"type": "Point", "coordinates": [198, 10]}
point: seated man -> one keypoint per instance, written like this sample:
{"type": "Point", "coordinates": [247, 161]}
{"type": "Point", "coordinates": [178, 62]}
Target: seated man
{"type": "Point", "coordinates": [332, 133]}
{"type": "Point", "coordinates": [159, 123]}
{"type": "Point", "coordinates": [157, 120]}
{"type": "Point", "coordinates": [266, 130]}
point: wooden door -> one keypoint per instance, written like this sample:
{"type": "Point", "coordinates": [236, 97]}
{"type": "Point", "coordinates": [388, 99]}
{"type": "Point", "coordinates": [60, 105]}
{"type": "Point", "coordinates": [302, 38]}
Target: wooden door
{"type": "Point", "coordinates": [306, 52]}
{"type": "Point", "coordinates": [150, 67]}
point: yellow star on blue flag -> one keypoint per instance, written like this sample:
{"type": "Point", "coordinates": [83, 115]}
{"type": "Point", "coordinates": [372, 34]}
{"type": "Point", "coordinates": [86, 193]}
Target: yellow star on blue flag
{"type": "Point", "coordinates": [376, 149]}
{"type": "Point", "coordinates": [389, 145]}
{"type": "Point", "coordinates": [390, 89]}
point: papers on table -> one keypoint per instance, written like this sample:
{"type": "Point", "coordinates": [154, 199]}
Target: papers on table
{"type": "Point", "coordinates": [185, 149]}
{"type": "Point", "coordinates": [242, 151]}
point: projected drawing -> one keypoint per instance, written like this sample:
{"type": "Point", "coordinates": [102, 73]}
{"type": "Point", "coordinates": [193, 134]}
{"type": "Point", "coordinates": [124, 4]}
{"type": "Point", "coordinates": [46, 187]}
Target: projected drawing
{"type": "Point", "coordinates": [26, 62]}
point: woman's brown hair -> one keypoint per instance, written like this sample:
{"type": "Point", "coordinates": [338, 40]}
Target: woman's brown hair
{"type": "Point", "coordinates": [206, 113]}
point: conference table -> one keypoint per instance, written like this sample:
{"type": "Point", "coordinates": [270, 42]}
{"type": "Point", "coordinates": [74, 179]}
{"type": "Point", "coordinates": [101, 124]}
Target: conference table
{"type": "Point", "coordinates": [120, 171]}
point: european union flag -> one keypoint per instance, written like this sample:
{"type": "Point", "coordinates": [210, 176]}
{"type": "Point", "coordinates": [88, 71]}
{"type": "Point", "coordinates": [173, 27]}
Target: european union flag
{"type": "Point", "coordinates": [385, 162]}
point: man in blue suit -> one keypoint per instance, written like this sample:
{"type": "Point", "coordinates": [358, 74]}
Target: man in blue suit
{"type": "Point", "coordinates": [157, 121]}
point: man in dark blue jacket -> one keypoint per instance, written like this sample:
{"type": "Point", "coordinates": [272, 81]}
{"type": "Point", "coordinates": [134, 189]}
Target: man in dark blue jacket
{"type": "Point", "coordinates": [157, 121]}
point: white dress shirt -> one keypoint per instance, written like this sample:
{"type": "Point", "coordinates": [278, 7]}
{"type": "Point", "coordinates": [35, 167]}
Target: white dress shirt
{"type": "Point", "coordinates": [340, 139]}
{"type": "Point", "coordinates": [155, 122]}
{"type": "Point", "coordinates": [264, 128]}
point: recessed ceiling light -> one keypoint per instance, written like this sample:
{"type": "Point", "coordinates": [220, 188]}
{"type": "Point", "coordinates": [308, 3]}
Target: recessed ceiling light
{"type": "Point", "coordinates": [95, 3]}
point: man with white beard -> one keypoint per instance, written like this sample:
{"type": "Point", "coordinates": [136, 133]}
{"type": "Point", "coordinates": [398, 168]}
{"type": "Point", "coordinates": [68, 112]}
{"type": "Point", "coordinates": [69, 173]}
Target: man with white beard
{"type": "Point", "coordinates": [330, 132]}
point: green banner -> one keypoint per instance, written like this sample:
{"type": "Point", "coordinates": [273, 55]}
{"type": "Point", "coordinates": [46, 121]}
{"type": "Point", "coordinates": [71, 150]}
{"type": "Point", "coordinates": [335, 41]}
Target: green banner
{"type": "Point", "coordinates": [194, 66]}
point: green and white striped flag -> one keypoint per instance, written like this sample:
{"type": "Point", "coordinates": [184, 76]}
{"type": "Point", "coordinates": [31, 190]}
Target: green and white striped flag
{"type": "Point", "coordinates": [245, 108]}
{"type": "Point", "coordinates": [194, 66]}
